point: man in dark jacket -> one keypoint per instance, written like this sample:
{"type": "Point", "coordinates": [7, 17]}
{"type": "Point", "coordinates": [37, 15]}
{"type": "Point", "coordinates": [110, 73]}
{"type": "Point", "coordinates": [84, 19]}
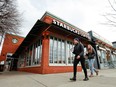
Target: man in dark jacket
{"type": "Point", "coordinates": [79, 56]}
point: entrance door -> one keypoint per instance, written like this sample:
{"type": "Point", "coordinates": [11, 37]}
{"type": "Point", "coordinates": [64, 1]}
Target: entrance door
{"type": "Point", "coordinates": [9, 62]}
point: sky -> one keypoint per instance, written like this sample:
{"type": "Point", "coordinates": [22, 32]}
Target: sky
{"type": "Point", "coordinates": [84, 14]}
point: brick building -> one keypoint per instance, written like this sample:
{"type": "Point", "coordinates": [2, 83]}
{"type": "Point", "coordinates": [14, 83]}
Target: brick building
{"type": "Point", "coordinates": [46, 48]}
{"type": "Point", "coordinates": [10, 44]}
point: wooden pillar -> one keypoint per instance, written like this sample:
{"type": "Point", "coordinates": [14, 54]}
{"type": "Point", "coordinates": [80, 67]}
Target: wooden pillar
{"type": "Point", "coordinates": [45, 52]}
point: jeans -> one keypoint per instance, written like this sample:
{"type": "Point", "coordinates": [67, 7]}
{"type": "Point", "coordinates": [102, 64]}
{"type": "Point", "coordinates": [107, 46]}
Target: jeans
{"type": "Point", "coordinates": [91, 65]}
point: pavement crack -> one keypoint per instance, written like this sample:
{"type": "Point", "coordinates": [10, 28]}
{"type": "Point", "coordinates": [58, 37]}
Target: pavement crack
{"type": "Point", "coordinates": [38, 81]}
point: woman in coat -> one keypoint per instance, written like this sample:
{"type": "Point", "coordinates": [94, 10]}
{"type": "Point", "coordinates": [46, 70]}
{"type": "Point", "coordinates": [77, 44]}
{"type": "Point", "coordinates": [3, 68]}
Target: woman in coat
{"type": "Point", "coordinates": [91, 59]}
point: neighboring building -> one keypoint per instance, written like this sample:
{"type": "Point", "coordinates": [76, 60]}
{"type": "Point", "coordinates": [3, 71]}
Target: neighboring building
{"type": "Point", "coordinates": [114, 44]}
{"type": "Point", "coordinates": [10, 44]}
{"type": "Point", "coordinates": [106, 53]}
{"type": "Point", "coordinates": [114, 52]}
{"type": "Point", "coordinates": [46, 48]}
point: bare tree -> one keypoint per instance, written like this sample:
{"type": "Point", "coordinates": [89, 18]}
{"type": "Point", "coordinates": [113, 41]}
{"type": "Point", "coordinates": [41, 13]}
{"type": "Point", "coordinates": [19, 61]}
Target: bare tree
{"type": "Point", "coordinates": [9, 18]}
{"type": "Point", "coordinates": [111, 17]}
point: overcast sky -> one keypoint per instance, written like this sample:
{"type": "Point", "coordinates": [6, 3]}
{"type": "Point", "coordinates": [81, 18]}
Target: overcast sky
{"type": "Point", "coordinates": [84, 14]}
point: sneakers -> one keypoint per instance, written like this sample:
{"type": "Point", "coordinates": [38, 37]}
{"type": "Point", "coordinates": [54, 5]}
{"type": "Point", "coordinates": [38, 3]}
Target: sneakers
{"type": "Point", "coordinates": [86, 79]}
{"type": "Point", "coordinates": [73, 79]}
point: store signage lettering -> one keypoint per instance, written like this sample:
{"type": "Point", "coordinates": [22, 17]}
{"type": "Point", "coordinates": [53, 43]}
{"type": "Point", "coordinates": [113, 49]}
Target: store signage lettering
{"type": "Point", "coordinates": [69, 28]}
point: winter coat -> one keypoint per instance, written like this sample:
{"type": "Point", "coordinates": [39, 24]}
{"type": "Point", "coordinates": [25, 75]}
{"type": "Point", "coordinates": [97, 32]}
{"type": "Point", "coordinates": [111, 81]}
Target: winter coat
{"type": "Point", "coordinates": [91, 55]}
{"type": "Point", "coordinates": [79, 50]}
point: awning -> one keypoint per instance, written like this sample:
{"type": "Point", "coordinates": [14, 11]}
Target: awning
{"type": "Point", "coordinates": [35, 31]}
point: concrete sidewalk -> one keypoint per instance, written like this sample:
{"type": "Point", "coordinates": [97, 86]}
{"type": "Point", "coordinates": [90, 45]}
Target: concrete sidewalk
{"type": "Point", "coordinates": [106, 78]}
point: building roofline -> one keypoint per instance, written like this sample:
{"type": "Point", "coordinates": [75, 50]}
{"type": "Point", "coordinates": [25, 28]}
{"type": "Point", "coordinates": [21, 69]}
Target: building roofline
{"type": "Point", "coordinates": [15, 35]}
{"type": "Point", "coordinates": [58, 18]}
{"type": "Point", "coordinates": [101, 39]}
{"type": "Point", "coordinates": [27, 40]}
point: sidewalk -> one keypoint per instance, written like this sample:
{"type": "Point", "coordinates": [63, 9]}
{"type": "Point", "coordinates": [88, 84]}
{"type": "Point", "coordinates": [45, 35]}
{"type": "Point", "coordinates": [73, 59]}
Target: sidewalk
{"type": "Point", "coordinates": [106, 78]}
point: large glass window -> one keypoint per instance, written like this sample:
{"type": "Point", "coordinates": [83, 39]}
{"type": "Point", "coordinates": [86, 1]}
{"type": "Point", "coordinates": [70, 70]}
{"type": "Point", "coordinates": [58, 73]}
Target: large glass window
{"type": "Point", "coordinates": [36, 53]}
{"type": "Point", "coordinates": [114, 57]}
{"type": "Point", "coordinates": [60, 51]}
{"type": "Point", "coordinates": [51, 50]}
{"type": "Point", "coordinates": [103, 56]}
{"type": "Point", "coordinates": [32, 55]}
{"type": "Point", "coordinates": [63, 52]}
{"type": "Point", "coordinates": [55, 51]}
{"type": "Point", "coordinates": [69, 54]}
{"type": "Point", "coordinates": [21, 61]}
{"type": "Point", "coordinates": [99, 55]}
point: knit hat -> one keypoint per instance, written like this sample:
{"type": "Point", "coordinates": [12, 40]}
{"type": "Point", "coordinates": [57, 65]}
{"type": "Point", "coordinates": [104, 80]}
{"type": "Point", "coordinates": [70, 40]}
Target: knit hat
{"type": "Point", "coordinates": [76, 39]}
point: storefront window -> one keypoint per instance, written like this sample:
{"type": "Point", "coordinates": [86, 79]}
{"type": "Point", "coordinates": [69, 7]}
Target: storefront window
{"type": "Point", "coordinates": [39, 48]}
{"type": "Point", "coordinates": [31, 56]}
{"type": "Point", "coordinates": [99, 55]}
{"type": "Point", "coordinates": [36, 53]}
{"type": "Point", "coordinates": [58, 51]}
{"type": "Point", "coordinates": [63, 52]}
{"type": "Point", "coordinates": [51, 49]}
{"type": "Point", "coordinates": [104, 58]}
{"type": "Point", "coordinates": [55, 51]}
{"type": "Point", "coordinates": [21, 61]}
{"type": "Point", "coordinates": [69, 54]}
{"type": "Point", "coordinates": [113, 57]}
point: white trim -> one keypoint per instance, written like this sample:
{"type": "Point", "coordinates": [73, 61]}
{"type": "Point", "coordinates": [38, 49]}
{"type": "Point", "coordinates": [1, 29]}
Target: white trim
{"type": "Point", "coordinates": [30, 66]}
{"type": "Point", "coordinates": [114, 53]}
{"type": "Point", "coordinates": [72, 64]}
{"type": "Point", "coordinates": [57, 65]}
{"type": "Point", "coordinates": [33, 65]}
{"type": "Point", "coordinates": [102, 48]}
{"type": "Point", "coordinates": [107, 49]}
{"type": "Point", "coordinates": [62, 65]}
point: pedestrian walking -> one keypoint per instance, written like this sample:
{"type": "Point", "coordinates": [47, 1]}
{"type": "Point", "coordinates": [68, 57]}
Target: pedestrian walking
{"type": "Point", "coordinates": [91, 59]}
{"type": "Point", "coordinates": [79, 57]}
